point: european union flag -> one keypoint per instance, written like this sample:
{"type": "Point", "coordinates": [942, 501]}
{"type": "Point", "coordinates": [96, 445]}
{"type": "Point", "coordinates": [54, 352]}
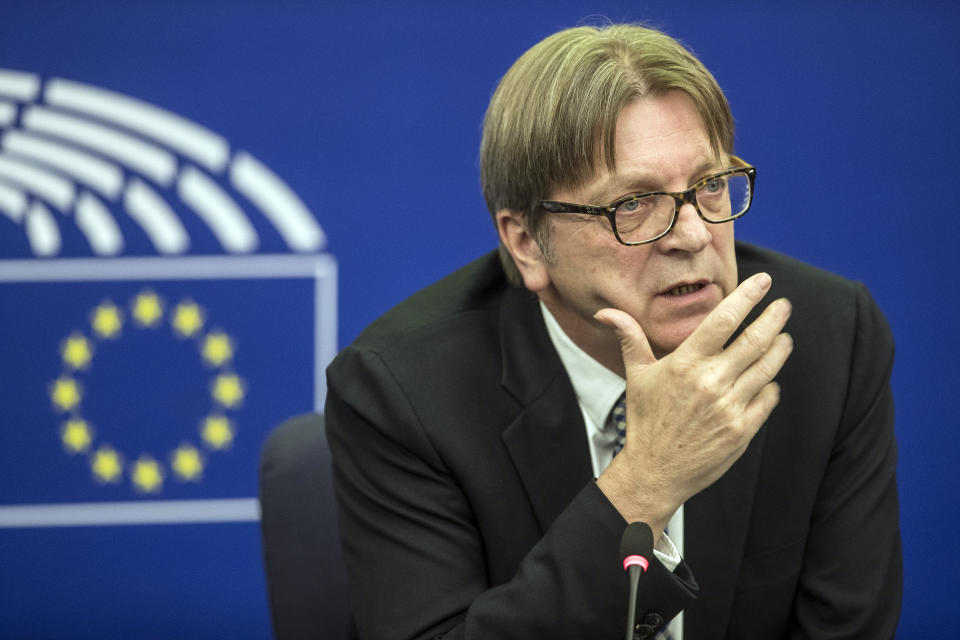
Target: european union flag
{"type": "Point", "coordinates": [139, 391]}
{"type": "Point", "coordinates": [155, 379]}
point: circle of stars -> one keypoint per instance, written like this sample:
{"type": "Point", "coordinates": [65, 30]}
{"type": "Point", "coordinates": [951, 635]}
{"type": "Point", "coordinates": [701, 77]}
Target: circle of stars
{"type": "Point", "coordinates": [147, 311]}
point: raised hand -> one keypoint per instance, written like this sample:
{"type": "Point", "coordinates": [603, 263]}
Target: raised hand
{"type": "Point", "coordinates": [691, 414]}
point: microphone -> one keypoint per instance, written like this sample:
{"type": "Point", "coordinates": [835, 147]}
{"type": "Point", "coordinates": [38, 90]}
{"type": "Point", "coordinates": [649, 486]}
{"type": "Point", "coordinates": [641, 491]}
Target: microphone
{"type": "Point", "coordinates": [636, 548]}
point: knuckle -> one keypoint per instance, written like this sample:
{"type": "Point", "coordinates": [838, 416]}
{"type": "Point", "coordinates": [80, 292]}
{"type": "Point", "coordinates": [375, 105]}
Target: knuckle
{"type": "Point", "coordinates": [755, 339]}
{"type": "Point", "coordinates": [726, 319]}
{"type": "Point", "coordinates": [733, 432]}
{"type": "Point", "coordinates": [709, 385]}
{"type": "Point", "coordinates": [732, 417]}
{"type": "Point", "coordinates": [764, 370]}
{"type": "Point", "coordinates": [681, 364]}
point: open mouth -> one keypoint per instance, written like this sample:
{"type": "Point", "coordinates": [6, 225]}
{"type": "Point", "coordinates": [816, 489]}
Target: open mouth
{"type": "Point", "coordinates": [684, 289]}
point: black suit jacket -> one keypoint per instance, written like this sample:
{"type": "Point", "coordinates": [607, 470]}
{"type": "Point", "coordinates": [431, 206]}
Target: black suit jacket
{"type": "Point", "coordinates": [468, 508]}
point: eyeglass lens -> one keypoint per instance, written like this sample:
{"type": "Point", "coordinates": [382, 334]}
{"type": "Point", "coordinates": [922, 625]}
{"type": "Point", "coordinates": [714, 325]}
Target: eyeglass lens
{"type": "Point", "coordinates": [718, 199]}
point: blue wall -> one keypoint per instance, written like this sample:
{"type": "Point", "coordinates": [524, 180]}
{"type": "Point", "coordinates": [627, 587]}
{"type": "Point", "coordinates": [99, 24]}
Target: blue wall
{"type": "Point", "coordinates": [371, 113]}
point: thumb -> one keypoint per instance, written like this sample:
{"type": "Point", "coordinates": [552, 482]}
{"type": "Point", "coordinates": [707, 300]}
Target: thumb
{"type": "Point", "coordinates": [633, 342]}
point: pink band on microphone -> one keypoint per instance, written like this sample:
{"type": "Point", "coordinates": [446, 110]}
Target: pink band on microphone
{"type": "Point", "coordinates": [629, 561]}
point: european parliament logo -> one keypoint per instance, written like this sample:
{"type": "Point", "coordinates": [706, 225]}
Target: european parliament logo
{"type": "Point", "coordinates": [139, 378]}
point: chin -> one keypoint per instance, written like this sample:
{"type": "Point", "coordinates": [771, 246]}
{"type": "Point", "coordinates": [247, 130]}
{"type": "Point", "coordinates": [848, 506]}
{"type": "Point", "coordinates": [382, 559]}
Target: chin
{"type": "Point", "coordinates": [665, 342]}
{"type": "Point", "coordinates": [664, 347]}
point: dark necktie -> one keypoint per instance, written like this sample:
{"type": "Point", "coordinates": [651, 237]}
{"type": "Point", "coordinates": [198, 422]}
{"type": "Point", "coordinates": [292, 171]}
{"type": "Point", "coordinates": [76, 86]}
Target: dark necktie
{"type": "Point", "coordinates": [619, 415]}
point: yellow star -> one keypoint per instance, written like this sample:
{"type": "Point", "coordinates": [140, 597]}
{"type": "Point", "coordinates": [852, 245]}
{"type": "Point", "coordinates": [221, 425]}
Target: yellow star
{"type": "Point", "coordinates": [217, 348]}
{"type": "Point", "coordinates": [147, 309]}
{"type": "Point", "coordinates": [187, 318]}
{"type": "Point", "coordinates": [76, 435]}
{"type": "Point", "coordinates": [106, 464]}
{"type": "Point", "coordinates": [227, 389]}
{"type": "Point", "coordinates": [76, 351]}
{"type": "Point", "coordinates": [106, 320]}
{"type": "Point", "coordinates": [217, 432]}
{"type": "Point", "coordinates": [147, 475]}
{"type": "Point", "coordinates": [65, 393]}
{"type": "Point", "coordinates": [187, 462]}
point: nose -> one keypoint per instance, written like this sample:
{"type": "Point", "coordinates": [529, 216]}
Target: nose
{"type": "Point", "coordinates": [690, 232]}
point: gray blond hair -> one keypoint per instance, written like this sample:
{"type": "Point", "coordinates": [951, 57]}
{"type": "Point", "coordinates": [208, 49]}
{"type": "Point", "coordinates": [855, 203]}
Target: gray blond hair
{"type": "Point", "coordinates": [553, 117]}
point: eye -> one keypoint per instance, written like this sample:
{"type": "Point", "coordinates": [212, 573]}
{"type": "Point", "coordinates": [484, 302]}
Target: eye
{"type": "Point", "coordinates": [638, 206]}
{"type": "Point", "coordinates": [714, 185]}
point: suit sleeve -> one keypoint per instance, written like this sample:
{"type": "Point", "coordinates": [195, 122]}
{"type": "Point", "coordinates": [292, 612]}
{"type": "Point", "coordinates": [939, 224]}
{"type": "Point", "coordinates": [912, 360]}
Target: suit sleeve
{"type": "Point", "coordinates": [851, 581]}
{"type": "Point", "coordinates": [414, 555]}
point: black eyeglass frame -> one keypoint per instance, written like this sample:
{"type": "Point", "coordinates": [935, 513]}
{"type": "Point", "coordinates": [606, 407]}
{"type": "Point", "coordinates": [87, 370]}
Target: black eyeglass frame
{"type": "Point", "coordinates": [680, 198]}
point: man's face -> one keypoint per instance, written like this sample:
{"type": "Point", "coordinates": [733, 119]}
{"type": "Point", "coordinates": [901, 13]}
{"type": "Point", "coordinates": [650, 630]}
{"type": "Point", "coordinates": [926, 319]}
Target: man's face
{"type": "Point", "coordinates": [669, 286]}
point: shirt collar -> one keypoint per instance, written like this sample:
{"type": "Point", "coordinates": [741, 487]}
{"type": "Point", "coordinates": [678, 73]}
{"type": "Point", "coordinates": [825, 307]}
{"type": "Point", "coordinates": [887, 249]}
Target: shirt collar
{"type": "Point", "coordinates": [596, 387]}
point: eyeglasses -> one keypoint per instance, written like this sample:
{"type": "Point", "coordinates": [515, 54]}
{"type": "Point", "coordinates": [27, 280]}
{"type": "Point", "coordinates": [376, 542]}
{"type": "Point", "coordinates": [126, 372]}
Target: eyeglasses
{"type": "Point", "coordinates": [642, 218]}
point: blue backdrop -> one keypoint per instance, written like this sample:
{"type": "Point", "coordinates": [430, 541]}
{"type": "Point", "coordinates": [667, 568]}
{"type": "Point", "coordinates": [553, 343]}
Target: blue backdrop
{"type": "Point", "coordinates": [175, 290]}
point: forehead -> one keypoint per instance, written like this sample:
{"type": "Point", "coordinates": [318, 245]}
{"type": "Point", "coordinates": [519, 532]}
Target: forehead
{"type": "Point", "coordinates": [661, 143]}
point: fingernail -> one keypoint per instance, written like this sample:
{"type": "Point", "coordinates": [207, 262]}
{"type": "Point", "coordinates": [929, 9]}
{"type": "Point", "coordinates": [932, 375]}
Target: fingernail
{"type": "Point", "coordinates": [763, 279]}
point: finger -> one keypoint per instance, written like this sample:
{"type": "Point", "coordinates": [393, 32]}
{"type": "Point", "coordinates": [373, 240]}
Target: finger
{"type": "Point", "coordinates": [757, 338]}
{"type": "Point", "coordinates": [758, 410]}
{"type": "Point", "coordinates": [717, 327]}
{"type": "Point", "coordinates": [633, 342]}
{"type": "Point", "coordinates": [766, 368]}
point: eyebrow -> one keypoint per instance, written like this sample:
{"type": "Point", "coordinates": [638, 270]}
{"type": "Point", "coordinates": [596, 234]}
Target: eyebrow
{"type": "Point", "coordinates": [645, 182]}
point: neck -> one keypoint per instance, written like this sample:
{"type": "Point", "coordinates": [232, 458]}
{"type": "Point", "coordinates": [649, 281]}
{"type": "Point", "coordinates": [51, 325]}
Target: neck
{"type": "Point", "coordinates": [596, 340]}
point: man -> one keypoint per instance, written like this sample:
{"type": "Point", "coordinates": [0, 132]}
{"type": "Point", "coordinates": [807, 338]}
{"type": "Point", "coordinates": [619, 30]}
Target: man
{"type": "Point", "coordinates": [482, 483]}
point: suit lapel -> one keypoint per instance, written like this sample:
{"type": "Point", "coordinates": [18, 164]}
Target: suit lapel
{"type": "Point", "coordinates": [547, 441]}
{"type": "Point", "coordinates": [716, 522]}
{"type": "Point", "coordinates": [548, 445]}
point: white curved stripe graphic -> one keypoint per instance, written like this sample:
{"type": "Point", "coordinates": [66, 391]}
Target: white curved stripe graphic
{"type": "Point", "coordinates": [190, 139]}
{"type": "Point", "coordinates": [13, 203]}
{"type": "Point", "coordinates": [84, 514]}
{"type": "Point", "coordinates": [48, 186]}
{"type": "Point", "coordinates": [277, 201]}
{"type": "Point", "coordinates": [151, 211]}
{"type": "Point", "coordinates": [98, 225]}
{"type": "Point", "coordinates": [8, 111]}
{"type": "Point", "coordinates": [224, 217]}
{"type": "Point", "coordinates": [19, 84]}
{"type": "Point", "coordinates": [150, 160]}
{"type": "Point", "coordinates": [89, 141]}
{"type": "Point", "coordinates": [42, 231]}
{"type": "Point", "coordinates": [103, 176]}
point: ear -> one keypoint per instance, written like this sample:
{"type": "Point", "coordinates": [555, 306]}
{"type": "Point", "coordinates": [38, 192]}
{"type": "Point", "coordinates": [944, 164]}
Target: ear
{"type": "Point", "coordinates": [524, 249]}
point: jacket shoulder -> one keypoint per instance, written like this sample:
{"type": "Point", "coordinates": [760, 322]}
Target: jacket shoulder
{"type": "Point", "coordinates": [791, 277]}
{"type": "Point", "coordinates": [835, 320]}
{"type": "Point", "coordinates": [475, 288]}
